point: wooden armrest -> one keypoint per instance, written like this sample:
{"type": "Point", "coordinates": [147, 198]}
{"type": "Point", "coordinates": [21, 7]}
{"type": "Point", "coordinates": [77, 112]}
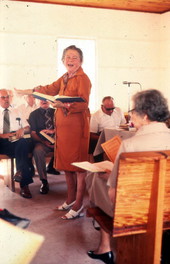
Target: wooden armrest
{"type": "Point", "coordinates": [3, 156]}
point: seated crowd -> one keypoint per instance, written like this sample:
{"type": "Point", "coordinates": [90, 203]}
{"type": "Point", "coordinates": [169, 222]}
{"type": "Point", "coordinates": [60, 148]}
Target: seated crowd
{"type": "Point", "coordinates": [21, 121]}
{"type": "Point", "coordinates": [149, 115]}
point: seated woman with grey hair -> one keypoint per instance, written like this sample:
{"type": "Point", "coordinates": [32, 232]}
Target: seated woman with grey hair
{"type": "Point", "coordinates": [149, 113]}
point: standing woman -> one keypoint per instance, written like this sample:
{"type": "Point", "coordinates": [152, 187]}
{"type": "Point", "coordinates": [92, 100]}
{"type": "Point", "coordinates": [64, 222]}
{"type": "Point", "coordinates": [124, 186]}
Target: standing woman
{"type": "Point", "coordinates": [72, 128]}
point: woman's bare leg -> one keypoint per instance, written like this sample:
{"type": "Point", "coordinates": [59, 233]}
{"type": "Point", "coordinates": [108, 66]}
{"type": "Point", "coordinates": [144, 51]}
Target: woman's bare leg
{"type": "Point", "coordinates": [71, 186]}
{"type": "Point", "coordinates": [81, 187]}
{"type": "Point", "coordinates": [104, 244]}
{"type": "Point", "coordinates": [103, 252]}
{"type": "Point", "coordinates": [75, 193]}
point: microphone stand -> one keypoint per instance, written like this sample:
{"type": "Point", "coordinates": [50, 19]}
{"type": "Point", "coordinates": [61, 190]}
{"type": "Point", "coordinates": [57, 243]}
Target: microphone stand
{"type": "Point", "coordinates": [129, 83]}
{"type": "Point", "coordinates": [128, 98]}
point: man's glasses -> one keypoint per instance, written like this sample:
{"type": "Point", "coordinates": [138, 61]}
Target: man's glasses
{"type": "Point", "coordinates": [109, 109]}
{"type": "Point", "coordinates": [4, 97]}
{"type": "Point", "coordinates": [132, 110]}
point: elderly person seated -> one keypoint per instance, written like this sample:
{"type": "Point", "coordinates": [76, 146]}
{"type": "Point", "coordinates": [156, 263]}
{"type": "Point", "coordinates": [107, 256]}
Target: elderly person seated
{"type": "Point", "coordinates": [109, 116]}
{"type": "Point", "coordinates": [149, 113]}
{"type": "Point", "coordinates": [42, 119]}
{"type": "Point", "coordinates": [12, 124]}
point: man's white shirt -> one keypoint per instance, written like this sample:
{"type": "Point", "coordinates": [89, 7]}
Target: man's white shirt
{"type": "Point", "coordinates": [99, 120]}
{"type": "Point", "coordinates": [15, 118]}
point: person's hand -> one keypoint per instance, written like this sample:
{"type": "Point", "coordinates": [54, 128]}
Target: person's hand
{"type": "Point", "coordinates": [37, 88]}
{"type": "Point", "coordinates": [7, 135]}
{"type": "Point", "coordinates": [48, 144]}
{"type": "Point", "coordinates": [48, 131]}
{"type": "Point", "coordinates": [57, 104]}
{"type": "Point", "coordinates": [67, 105]}
{"type": "Point", "coordinates": [20, 133]}
{"type": "Point", "coordinates": [104, 175]}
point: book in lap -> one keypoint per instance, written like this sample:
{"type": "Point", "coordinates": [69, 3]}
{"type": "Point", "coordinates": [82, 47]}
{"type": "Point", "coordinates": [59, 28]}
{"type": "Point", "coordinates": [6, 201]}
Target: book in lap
{"type": "Point", "coordinates": [14, 138]}
{"type": "Point", "coordinates": [61, 98]}
{"type": "Point", "coordinates": [52, 140]}
{"type": "Point", "coordinates": [111, 148]}
{"type": "Point", "coordinates": [103, 166]}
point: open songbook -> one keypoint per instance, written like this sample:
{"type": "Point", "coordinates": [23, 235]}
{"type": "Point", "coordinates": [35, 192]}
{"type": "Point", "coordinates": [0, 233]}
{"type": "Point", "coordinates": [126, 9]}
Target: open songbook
{"type": "Point", "coordinates": [111, 148]}
{"type": "Point", "coordinates": [52, 140]}
{"type": "Point", "coordinates": [103, 166]}
{"type": "Point", "coordinates": [61, 98]}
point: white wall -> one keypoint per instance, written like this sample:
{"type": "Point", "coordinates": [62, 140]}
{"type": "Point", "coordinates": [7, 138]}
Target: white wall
{"type": "Point", "coordinates": [130, 46]}
{"type": "Point", "coordinates": [165, 53]}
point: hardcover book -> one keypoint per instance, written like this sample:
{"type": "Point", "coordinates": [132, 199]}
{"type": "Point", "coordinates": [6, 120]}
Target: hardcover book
{"type": "Point", "coordinates": [61, 98]}
{"type": "Point", "coordinates": [47, 137]}
{"type": "Point", "coordinates": [14, 138]}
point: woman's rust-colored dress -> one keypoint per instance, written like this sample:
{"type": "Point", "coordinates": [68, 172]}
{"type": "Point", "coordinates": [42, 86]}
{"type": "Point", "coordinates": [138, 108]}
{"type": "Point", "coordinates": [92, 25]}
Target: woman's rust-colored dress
{"type": "Point", "coordinates": [72, 128]}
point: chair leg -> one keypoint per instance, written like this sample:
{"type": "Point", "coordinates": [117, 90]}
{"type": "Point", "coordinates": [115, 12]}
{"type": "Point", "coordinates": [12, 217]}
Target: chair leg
{"type": "Point", "coordinates": [12, 175]}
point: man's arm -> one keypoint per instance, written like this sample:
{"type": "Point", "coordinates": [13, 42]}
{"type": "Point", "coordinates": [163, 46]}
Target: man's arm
{"type": "Point", "coordinates": [19, 133]}
{"type": "Point", "coordinates": [37, 138]}
{"type": "Point", "coordinates": [22, 131]}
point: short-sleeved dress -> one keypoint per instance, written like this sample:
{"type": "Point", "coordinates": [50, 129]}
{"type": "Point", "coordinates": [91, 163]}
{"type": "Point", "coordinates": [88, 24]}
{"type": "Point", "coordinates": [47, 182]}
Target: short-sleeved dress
{"type": "Point", "coordinates": [72, 128]}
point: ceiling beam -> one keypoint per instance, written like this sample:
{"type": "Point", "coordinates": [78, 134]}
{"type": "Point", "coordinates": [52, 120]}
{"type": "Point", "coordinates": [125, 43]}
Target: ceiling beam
{"type": "Point", "coordinates": [151, 6]}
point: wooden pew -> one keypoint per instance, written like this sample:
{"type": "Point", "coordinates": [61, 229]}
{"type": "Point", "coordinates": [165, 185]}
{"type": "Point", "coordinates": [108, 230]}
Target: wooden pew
{"type": "Point", "coordinates": [9, 181]}
{"type": "Point", "coordinates": [142, 207]}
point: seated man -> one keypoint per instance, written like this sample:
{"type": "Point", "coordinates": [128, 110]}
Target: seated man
{"type": "Point", "coordinates": [108, 116]}
{"type": "Point", "coordinates": [12, 124]}
{"type": "Point", "coordinates": [26, 108]}
{"type": "Point", "coordinates": [41, 119]}
{"type": "Point", "coordinates": [149, 113]}
{"type": "Point", "coordinates": [29, 106]}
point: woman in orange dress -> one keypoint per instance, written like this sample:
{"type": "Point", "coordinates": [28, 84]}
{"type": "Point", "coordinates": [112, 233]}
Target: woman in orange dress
{"type": "Point", "coordinates": [72, 128]}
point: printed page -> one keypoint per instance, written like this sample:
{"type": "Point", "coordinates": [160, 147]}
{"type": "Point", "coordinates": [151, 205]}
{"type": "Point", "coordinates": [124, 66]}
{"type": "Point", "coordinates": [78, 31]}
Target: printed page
{"type": "Point", "coordinates": [103, 166]}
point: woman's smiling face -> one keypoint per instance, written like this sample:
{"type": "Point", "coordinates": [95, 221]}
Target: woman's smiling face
{"type": "Point", "coordinates": [72, 61]}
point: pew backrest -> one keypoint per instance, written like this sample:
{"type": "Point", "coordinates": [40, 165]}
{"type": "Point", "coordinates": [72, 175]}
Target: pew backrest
{"type": "Point", "coordinates": [142, 204]}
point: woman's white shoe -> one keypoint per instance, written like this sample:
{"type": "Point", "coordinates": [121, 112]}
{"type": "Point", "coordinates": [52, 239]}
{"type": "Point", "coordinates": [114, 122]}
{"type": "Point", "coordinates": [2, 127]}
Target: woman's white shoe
{"type": "Point", "coordinates": [73, 214]}
{"type": "Point", "coordinates": [64, 206]}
